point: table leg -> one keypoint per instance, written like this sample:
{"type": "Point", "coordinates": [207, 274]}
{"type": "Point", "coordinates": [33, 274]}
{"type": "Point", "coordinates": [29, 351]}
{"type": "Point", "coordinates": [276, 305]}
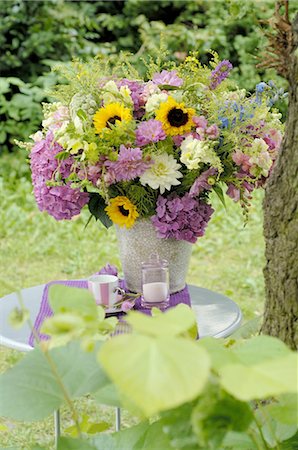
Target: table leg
{"type": "Point", "coordinates": [118, 418]}
{"type": "Point", "coordinates": [57, 426]}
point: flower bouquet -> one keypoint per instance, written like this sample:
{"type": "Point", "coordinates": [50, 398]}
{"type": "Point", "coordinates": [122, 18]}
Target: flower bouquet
{"type": "Point", "coordinates": [153, 146]}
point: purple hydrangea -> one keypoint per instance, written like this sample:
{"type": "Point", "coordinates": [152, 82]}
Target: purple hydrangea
{"type": "Point", "coordinates": [130, 165]}
{"type": "Point", "coordinates": [220, 73]}
{"type": "Point", "coordinates": [149, 131]}
{"type": "Point", "coordinates": [181, 218]}
{"type": "Point", "coordinates": [169, 78]}
{"type": "Point", "coordinates": [201, 183]}
{"type": "Point", "coordinates": [61, 202]}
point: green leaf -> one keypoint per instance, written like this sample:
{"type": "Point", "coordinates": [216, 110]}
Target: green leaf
{"type": "Point", "coordinates": [87, 426]}
{"type": "Point", "coordinates": [219, 192]}
{"type": "Point", "coordinates": [180, 320]}
{"type": "Point", "coordinates": [65, 443]}
{"type": "Point", "coordinates": [74, 300]}
{"type": "Point", "coordinates": [219, 354]}
{"type": "Point", "coordinates": [97, 207]}
{"type": "Point", "coordinates": [285, 409]}
{"type": "Point", "coordinates": [215, 414]}
{"type": "Point", "coordinates": [62, 155]}
{"type": "Point", "coordinates": [272, 377]}
{"type": "Point", "coordinates": [108, 395]}
{"type": "Point", "coordinates": [143, 436]}
{"type": "Point", "coordinates": [32, 379]}
{"type": "Point", "coordinates": [4, 86]}
{"type": "Point", "coordinates": [156, 373]}
{"type": "Point", "coordinates": [259, 349]}
{"type": "Point", "coordinates": [153, 438]}
{"type": "Point", "coordinates": [18, 317]}
{"type": "Point", "coordinates": [177, 425]}
{"type": "Point", "coordinates": [290, 444]}
{"type": "Point", "coordinates": [236, 441]}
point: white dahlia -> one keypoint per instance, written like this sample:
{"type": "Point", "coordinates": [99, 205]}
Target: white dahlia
{"type": "Point", "coordinates": [163, 173]}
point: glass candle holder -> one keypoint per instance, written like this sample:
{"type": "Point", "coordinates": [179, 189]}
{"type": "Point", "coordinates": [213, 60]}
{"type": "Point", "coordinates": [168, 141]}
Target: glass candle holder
{"type": "Point", "coordinates": [155, 283]}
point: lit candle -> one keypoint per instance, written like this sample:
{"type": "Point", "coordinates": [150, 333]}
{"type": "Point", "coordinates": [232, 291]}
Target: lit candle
{"type": "Point", "coordinates": [155, 292]}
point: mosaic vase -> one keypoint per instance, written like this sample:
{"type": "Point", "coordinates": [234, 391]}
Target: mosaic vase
{"type": "Point", "coordinates": [136, 244]}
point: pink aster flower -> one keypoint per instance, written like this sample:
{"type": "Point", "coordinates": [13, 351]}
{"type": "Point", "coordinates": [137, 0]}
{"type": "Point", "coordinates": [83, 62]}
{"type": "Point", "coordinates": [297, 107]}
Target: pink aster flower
{"type": "Point", "coordinates": [130, 165]}
{"type": "Point", "coordinates": [181, 218]}
{"type": "Point", "coordinates": [61, 202]}
{"type": "Point", "coordinates": [246, 188]}
{"type": "Point", "coordinates": [150, 131]}
{"type": "Point", "coordinates": [200, 122]}
{"type": "Point", "coordinates": [273, 139]}
{"type": "Point", "coordinates": [212, 131]}
{"type": "Point", "coordinates": [242, 160]}
{"type": "Point", "coordinates": [201, 183]}
{"type": "Point", "coordinates": [166, 77]}
{"type": "Point", "coordinates": [233, 192]}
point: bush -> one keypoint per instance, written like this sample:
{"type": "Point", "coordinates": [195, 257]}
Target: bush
{"type": "Point", "coordinates": [34, 35]}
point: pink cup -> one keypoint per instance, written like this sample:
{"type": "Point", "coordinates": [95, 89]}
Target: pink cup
{"type": "Point", "coordinates": [104, 289]}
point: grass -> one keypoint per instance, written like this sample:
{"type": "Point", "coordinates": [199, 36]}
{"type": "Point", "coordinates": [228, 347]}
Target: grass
{"type": "Point", "coordinates": [35, 249]}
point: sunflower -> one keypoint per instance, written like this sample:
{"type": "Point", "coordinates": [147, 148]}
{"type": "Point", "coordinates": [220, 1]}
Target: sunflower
{"type": "Point", "coordinates": [175, 118]}
{"type": "Point", "coordinates": [110, 115]}
{"type": "Point", "coordinates": [122, 212]}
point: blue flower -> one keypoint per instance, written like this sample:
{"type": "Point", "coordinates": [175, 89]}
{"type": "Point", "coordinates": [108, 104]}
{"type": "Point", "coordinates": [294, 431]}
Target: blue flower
{"type": "Point", "coordinates": [260, 87]}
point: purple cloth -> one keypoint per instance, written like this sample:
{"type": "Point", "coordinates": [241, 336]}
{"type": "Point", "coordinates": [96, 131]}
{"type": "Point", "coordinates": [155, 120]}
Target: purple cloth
{"type": "Point", "coordinates": [45, 310]}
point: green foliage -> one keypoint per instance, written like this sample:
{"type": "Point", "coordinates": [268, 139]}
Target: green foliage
{"type": "Point", "coordinates": [97, 207]}
{"type": "Point", "coordinates": [36, 35]}
{"type": "Point", "coordinates": [76, 315]}
{"type": "Point", "coordinates": [71, 370]}
{"type": "Point", "coordinates": [181, 385]}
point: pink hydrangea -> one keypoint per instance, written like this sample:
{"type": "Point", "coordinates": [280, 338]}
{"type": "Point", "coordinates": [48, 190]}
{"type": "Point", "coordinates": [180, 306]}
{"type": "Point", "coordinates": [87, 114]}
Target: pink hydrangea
{"type": "Point", "coordinates": [181, 218]}
{"type": "Point", "coordinates": [61, 202]}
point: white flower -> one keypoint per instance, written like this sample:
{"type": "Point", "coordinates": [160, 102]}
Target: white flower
{"type": "Point", "coordinates": [163, 173]}
{"type": "Point", "coordinates": [260, 156]}
{"type": "Point", "coordinates": [154, 101]}
{"type": "Point", "coordinates": [150, 88]}
{"type": "Point", "coordinates": [37, 137]}
{"type": "Point", "coordinates": [194, 152]}
{"type": "Point", "coordinates": [56, 115]}
{"type": "Point", "coordinates": [112, 94]}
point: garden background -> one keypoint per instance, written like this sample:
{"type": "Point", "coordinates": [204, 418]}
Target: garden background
{"type": "Point", "coordinates": [34, 248]}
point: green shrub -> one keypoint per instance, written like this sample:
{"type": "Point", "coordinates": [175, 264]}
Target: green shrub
{"type": "Point", "coordinates": [34, 35]}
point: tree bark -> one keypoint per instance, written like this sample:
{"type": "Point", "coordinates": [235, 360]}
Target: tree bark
{"type": "Point", "coordinates": [281, 220]}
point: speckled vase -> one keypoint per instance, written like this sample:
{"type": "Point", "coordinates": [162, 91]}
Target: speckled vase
{"type": "Point", "coordinates": [136, 244]}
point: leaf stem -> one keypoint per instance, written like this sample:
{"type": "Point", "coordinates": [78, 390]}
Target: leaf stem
{"type": "Point", "coordinates": [64, 391]}
{"type": "Point", "coordinates": [260, 431]}
{"type": "Point", "coordinates": [53, 369]}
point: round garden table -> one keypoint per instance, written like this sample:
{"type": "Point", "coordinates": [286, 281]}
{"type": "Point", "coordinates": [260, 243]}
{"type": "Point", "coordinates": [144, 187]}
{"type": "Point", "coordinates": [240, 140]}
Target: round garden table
{"type": "Point", "coordinates": [217, 315]}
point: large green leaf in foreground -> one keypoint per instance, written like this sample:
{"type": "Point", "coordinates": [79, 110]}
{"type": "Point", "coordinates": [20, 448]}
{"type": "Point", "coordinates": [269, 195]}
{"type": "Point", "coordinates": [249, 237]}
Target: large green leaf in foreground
{"type": "Point", "coordinates": [258, 381]}
{"type": "Point", "coordinates": [30, 391]}
{"type": "Point", "coordinates": [156, 373]}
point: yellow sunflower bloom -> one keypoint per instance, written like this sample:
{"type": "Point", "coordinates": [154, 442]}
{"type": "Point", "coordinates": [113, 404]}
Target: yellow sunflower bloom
{"type": "Point", "coordinates": [122, 212]}
{"type": "Point", "coordinates": [112, 114]}
{"type": "Point", "coordinates": [175, 117]}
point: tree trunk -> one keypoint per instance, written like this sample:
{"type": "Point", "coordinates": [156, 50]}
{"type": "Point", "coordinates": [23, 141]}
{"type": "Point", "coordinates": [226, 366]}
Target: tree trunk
{"type": "Point", "coordinates": [281, 222]}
